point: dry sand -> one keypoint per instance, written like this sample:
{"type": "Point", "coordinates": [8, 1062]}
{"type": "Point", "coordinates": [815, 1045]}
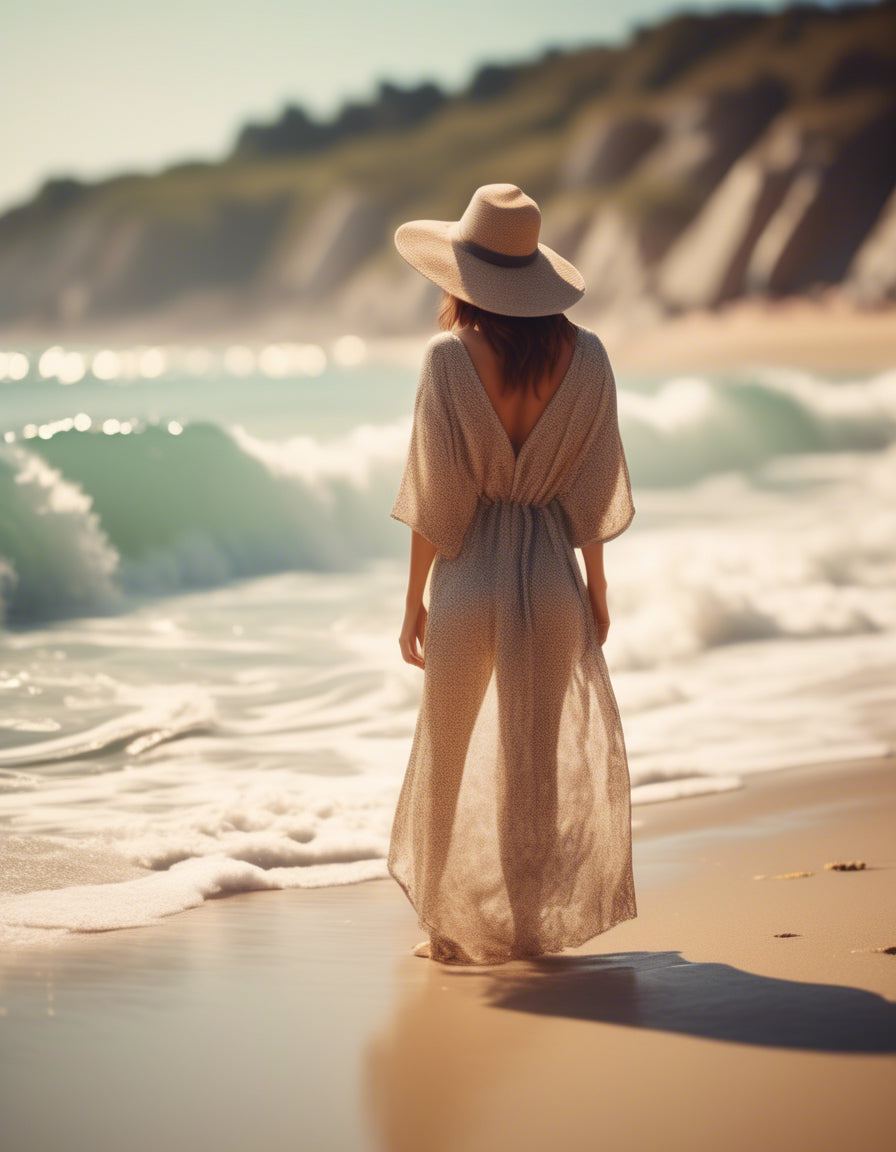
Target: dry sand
{"type": "Point", "coordinates": [300, 1019]}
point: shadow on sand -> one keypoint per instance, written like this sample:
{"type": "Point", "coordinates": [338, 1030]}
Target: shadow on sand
{"type": "Point", "coordinates": [661, 990]}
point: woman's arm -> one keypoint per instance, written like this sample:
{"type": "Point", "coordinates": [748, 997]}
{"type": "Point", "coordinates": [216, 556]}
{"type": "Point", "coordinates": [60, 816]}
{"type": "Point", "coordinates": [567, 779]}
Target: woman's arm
{"type": "Point", "coordinates": [413, 629]}
{"type": "Point", "coordinates": [597, 588]}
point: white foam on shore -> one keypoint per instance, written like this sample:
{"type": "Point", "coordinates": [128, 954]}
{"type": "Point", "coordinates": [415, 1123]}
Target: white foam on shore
{"type": "Point", "coordinates": [146, 900]}
{"type": "Point", "coordinates": [294, 779]}
{"type": "Point", "coordinates": [253, 846]}
{"type": "Point", "coordinates": [282, 832]}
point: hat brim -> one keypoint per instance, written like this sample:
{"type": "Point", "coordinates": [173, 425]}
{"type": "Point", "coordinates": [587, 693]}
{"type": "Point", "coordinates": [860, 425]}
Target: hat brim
{"type": "Point", "coordinates": [547, 286]}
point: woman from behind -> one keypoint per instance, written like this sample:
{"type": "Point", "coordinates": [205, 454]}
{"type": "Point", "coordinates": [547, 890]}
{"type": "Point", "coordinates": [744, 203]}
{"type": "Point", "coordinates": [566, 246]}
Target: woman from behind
{"type": "Point", "coordinates": [512, 833]}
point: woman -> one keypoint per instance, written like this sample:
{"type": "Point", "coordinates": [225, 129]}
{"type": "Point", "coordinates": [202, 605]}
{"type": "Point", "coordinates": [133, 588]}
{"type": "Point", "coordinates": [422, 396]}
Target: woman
{"type": "Point", "coordinates": [512, 834]}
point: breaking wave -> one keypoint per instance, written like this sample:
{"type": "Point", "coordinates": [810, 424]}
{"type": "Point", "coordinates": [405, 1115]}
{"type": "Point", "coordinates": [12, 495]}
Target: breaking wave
{"type": "Point", "coordinates": [91, 520]}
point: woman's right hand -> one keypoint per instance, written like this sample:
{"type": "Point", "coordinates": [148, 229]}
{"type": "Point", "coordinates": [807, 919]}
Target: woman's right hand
{"type": "Point", "coordinates": [601, 613]}
{"type": "Point", "coordinates": [593, 555]}
{"type": "Point", "coordinates": [413, 633]}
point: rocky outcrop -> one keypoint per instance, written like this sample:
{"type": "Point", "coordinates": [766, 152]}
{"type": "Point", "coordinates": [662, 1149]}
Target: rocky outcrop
{"type": "Point", "coordinates": [872, 274]}
{"type": "Point", "coordinates": [711, 158]}
{"type": "Point", "coordinates": [791, 215]}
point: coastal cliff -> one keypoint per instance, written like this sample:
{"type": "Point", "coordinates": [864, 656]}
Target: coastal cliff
{"type": "Point", "coordinates": [711, 159]}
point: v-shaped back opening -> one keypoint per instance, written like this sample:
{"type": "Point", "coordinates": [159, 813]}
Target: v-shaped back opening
{"type": "Point", "coordinates": [482, 388]}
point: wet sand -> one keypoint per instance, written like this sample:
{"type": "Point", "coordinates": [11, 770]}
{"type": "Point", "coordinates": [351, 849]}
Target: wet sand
{"type": "Point", "coordinates": [734, 1012]}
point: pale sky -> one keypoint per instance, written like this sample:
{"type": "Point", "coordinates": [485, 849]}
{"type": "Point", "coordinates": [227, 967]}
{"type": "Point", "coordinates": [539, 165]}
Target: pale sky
{"type": "Point", "coordinates": [94, 87]}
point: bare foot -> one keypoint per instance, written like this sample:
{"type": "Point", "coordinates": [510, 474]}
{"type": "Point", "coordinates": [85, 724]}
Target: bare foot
{"type": "Point", "coordinates": [446, 952]}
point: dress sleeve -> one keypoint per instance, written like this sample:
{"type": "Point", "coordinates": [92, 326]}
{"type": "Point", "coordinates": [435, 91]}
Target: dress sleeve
{"type": "Point", "coordinates": [598, 500]}
{"type": "Point", "coordinates": [436, 497]}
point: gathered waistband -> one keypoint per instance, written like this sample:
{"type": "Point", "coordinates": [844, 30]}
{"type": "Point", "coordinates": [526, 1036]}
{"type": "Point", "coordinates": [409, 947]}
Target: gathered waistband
{"type": "Point", "coordinates": [515, 522]}
{"type": "Point", "coordinates": [484, 502]}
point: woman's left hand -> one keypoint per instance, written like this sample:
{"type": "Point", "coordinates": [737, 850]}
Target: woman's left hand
{"type": "Point", "coordinates": [413, 633]}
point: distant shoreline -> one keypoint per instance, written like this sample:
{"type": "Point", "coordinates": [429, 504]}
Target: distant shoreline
{"type": "Point", "coordinates": [822, 337]}
{"type": "Point", "coordinates": [829, 335]}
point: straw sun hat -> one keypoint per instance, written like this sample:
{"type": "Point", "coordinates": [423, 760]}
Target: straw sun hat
{"type": "Point", "coordinates": [491, 257]}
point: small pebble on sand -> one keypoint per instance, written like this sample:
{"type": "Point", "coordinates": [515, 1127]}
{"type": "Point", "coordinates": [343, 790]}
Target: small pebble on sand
{"type": "Point", "coordinates": [845, 865]}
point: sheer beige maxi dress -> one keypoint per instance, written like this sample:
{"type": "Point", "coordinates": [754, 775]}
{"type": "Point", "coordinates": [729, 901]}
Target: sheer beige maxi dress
{"type": "Point", "coordinates": [512, 833]}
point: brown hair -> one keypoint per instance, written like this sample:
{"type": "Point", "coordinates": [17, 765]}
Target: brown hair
{"type": "Point", "coordinates": [528, 347]}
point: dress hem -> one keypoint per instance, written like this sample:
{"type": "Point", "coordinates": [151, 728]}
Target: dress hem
{"type": "Point", "coordinates": [630, 913]}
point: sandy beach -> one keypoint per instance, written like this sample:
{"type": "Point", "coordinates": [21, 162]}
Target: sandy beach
{"type": "Point", "coordinates": [830, 336]}
{"type": "Point", "coordinates": [749, 1006]}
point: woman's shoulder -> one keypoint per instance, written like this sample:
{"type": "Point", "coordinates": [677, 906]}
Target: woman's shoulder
{"type": "Point", "coordinates": [440, 341]}
{"type": "Point", "coordinates": [438, 351]}
{"type": "Point", "coordinates": [595, 370]}
{"type": "Point", "coordinates": [437, 367]}
{"type": "Point", "coordinates": [591, 343]}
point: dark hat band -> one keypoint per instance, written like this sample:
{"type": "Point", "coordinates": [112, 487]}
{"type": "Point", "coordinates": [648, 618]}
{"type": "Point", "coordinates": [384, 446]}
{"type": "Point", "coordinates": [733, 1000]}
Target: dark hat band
{"type": "Point", "coordinates": [499, 258]}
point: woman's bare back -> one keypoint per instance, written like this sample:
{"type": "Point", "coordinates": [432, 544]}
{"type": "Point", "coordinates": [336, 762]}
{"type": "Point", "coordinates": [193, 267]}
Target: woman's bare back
{"type": "Point", "coordinates": [518, 410]}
